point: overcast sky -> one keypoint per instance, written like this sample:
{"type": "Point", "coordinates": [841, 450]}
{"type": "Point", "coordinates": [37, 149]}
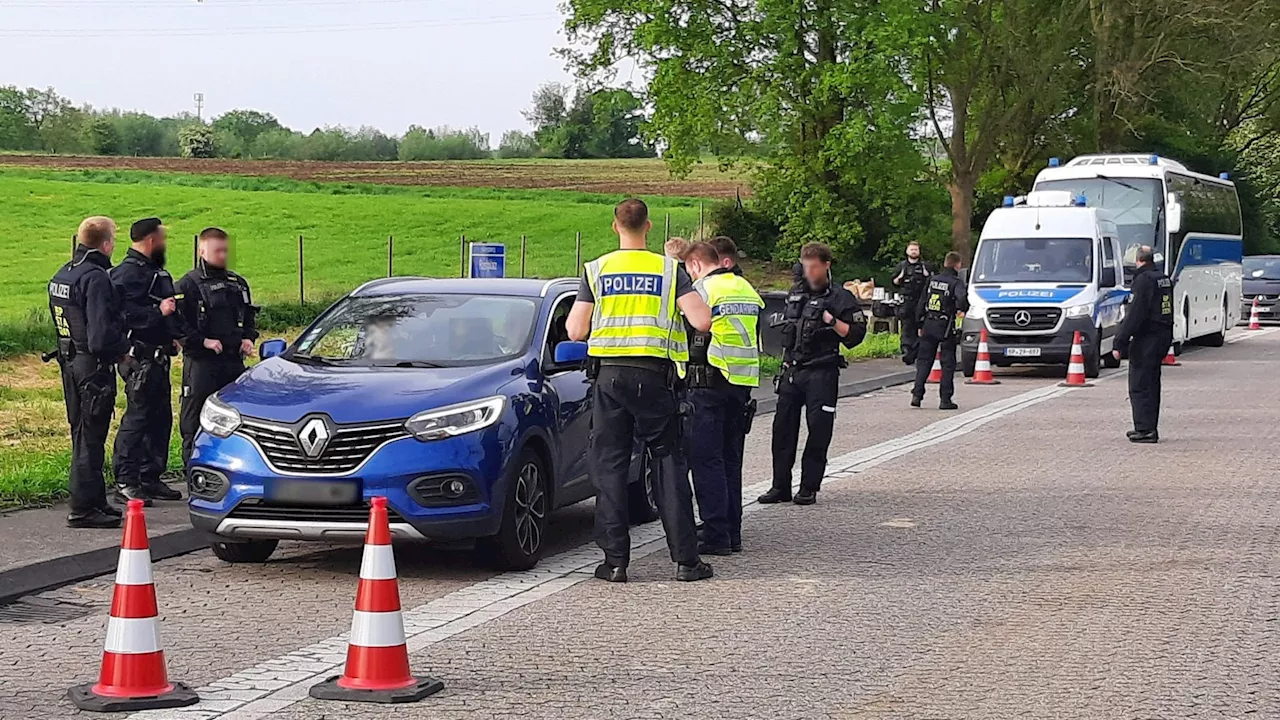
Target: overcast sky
{"type": "Point", "coordinates": [386, 63]}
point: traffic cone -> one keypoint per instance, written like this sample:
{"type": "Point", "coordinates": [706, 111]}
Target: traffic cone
{"type": "Point", "coordinates": [1075, 371]}
{"type": "Point", "coordinates": [377, 668]}
{"type": "Point", "coordinates": [935, 375]}
{"type": "Point", "coordinates": [1254, 323]}
{"type": "Point", "coordinates": [982, 367]}
{"type": "Point", "coordinates": [1170, 359]}
{"type": "Point", "coordinates": [133, 675]}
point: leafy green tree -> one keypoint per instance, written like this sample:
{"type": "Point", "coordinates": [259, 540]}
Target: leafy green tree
{"type": "Point", "coordinates": [245, 124]}
{"type": "Point", "coordinates": [104, 138]}
{"type": "Point", "coordinates": [601, 124]}
{"type": "Point", "coordinates": [444, 143]}
{"type": "Point", "coordinates": [16, 131]}
{"type": "Point", "coordinates": [196, 141]}
{"type": "Point", "coordinates": [516, 144]}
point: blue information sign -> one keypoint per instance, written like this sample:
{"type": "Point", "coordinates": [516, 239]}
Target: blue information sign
{"type": "Point", "coordinates": [488, 260]}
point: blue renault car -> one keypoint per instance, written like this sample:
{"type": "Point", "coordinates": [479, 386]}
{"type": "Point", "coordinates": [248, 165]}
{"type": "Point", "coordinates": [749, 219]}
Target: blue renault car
{"type": "Point", "coordinates": [460, 401]}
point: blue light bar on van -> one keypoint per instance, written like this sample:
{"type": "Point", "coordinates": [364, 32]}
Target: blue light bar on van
{"type": "Point", "coordinates": [1224, 176]}
{"type": "Point", "coordinates": [1008, 201]}
{"type": "Point", "coordinates": [1080, 201]}
{"type": "Point", "coordinates": [1155, 159]}
{"type": "Point", "coordinates": [1055, 162]}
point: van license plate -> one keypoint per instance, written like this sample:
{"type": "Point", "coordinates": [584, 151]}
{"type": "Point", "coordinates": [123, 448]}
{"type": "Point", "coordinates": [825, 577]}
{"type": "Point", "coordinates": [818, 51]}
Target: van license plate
{"type": "Point", "coordinates": [1022, 352]}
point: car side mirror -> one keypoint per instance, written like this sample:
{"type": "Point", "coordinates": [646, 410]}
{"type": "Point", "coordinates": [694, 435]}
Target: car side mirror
{"type": "Point", "coordinates": [1173, 214]}
{"type": "Point", "coordinates": [571, 352]}
{"type": "Point", "coordinates": [271, 348]}
{"type": "Point", "coordinates": [1108, 278]}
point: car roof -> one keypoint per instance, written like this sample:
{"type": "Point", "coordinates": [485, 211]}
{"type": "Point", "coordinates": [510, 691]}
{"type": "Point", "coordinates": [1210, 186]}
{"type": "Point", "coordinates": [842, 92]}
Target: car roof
{"type": "Point", "coordinates": [510, 287]}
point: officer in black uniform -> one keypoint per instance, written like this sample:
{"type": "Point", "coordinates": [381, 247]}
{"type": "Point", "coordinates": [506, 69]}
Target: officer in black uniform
{"type": "Point", "coordinates": [90, 327]}
{"type": "Point", "coordinates": [945, 296]}
{"type": "Point", "coordinates": [218, 317]}
{"type": "Point", "coordinates": [727, 249]}
{"type": "Point", "coordinates": [911, 275]}
{"type": "Point", "coordinates": [818, 319]}
{"type": "Point", "coordinates": [1147, 334]}
{"type": "Point", "coordinates": [142, 442]}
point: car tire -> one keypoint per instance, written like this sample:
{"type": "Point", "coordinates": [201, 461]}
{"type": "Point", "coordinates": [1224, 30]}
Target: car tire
{"type": "Point", "coordinates": [642, 506]}
{"type": "Point", "coordinates": [968, 363]}
{"type": "Point", "coordinates": [253, 551]}
{"type": "Point", "coordinates": [1219, 338]}
{"type": "Point", "coordinates": [522, 536]}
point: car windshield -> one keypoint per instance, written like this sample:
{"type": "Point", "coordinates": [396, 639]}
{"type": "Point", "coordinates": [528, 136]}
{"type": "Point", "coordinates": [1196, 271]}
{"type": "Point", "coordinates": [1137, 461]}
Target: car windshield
{"type": "Point", "coordinates": [1262, 268]}
{"type": "Point", "coordinates": [420, 331]}
{"type": "Point", "coordinates": [1133, 203]}
{"type": "Point", "coordinates": [1034, 260]}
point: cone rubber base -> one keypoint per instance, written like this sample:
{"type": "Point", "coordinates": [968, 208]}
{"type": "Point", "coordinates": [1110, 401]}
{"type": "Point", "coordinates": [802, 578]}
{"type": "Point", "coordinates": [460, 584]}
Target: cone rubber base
{"type": "Point", "coordinates": [330, 690]}
{"type": "Point", "coordinates": [981, 382]}
{"type": "Point", "coordinates": [1172, 364]}
{"type": "Point", "coordinates": [1067, 384]}
{"type": "Point", "coordinates": [83, 697]}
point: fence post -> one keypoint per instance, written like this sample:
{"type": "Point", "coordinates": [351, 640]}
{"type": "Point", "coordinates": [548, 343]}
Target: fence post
{"type": "Point", "coordinates": [462, 258]}
{"type": "Point", "coordinates": [195, 250]}
{"type": "Point", "coordinates": [701, 215]}
{"type": "Point", "coordinates": [302, 292]}
{"type": "Point", "coordinates": [391, 255]}
{"type": "Point", "coordinates": [668, 226]}
{"type": "Point", "coordinates": [577, 266]}
{"type": "Point", "coordinates": [75, 240]}
{"type": "Point", "coordinates": [524, 239]}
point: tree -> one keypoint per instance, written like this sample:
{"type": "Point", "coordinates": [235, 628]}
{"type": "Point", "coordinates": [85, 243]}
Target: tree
{"type": "Point", "coordinates": [16, 131]}
{"type": "Point", "coordinates": [605, 123]}
{"type": "Point", "coordinates": [444, 143]}
{"type": "Point", "coordinates": [246, 124]}
{"type": "Point", "coordinates": [516, 144]}
{"type": "Point", "coordinates": [196, 141]}
{"type": "Point", "coordinates": [104, 138]}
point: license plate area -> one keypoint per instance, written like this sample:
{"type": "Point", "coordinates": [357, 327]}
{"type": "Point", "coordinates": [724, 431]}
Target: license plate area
{"type": "Point", "coordinates": [1022, 352]}
{"type": "Point", "coordinates": [323, 493]}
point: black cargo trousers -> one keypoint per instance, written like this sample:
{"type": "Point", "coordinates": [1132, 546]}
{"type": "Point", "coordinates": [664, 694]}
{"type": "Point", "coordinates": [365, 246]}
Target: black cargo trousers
{"type": "Point", "coordinates": [1146, 355]}
{"type": "Point", "coordinates": [89, 390]}
{"type": "Point", "coordinates": [201, 378]}
{"type": "Point", "coordinates": [636, 405]}
{"type": "Point", "coordinates": [142, 440]}
{"type": "Point", "coordinates": [813, 391]}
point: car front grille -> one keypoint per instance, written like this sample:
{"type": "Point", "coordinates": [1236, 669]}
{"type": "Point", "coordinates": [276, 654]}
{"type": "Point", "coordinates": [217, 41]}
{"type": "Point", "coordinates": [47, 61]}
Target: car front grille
{"type": "Point", "coordinates": [350, 446]}
{"type": "Point", "coordinates": [255, 509]}
{"type": "Point", "coordinates": [1039, 320]}
{"type": "Point", "coordinates": [1261, 298]}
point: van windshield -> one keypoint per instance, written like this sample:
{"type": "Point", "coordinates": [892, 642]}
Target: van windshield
{"type": "Point", "coordinates": [1068, 260]}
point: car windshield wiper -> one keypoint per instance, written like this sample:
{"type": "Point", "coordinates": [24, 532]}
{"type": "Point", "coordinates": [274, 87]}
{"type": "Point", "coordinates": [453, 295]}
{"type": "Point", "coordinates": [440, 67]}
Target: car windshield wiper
{"type": "Point", "coordinates": [305, 359]}
{"type": "Point", "coordinates": [408, 364]}
{"type": "Point", "coordinates": [1121, 183]}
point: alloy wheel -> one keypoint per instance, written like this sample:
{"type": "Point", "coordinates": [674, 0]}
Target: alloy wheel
{"type": "Point", "coordinates": [531, 508]}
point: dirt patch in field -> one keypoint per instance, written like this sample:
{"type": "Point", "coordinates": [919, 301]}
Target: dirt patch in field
{"type": "Point", "coordinates": [616, 177]}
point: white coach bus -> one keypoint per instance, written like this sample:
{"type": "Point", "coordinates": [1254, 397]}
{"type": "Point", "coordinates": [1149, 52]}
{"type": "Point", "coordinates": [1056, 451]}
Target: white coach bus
{"type": "Point", "coordinates": [1191, 220]}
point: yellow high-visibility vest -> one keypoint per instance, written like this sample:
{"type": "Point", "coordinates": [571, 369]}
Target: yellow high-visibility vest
{"type": "Point", "coordinates": [635, 311]}
{"type": "Point", "coordinates": [735, 318]}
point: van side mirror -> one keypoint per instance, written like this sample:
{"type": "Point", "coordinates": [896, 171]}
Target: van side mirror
{"type": "Point", "coordinates": [1108, 277]}
{"type": "Point", "coordinates": [1173, 214]}
{"type": "Point", "coordinates": [571, 352]}
{"type": "Point", "coordinates": [272, 348]}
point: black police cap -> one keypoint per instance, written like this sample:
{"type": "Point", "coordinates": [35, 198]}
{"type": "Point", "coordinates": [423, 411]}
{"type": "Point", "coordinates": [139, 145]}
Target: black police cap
{"type": "Point", "coordinates": [144, 227]}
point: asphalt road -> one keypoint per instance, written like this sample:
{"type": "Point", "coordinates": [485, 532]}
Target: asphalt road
{"type": "Point", "coordinates": [1016, 559]}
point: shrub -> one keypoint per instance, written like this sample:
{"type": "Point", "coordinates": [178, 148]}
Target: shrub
{"type": "Point", "coordinates": [752, 230]}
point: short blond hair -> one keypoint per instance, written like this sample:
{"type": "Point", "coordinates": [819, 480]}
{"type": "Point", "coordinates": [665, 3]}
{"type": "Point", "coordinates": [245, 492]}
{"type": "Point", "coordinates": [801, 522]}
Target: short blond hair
{"type": "Point", "coordinates": [676, 248]}
{"type": "Point", "coordinates": [96, 231]}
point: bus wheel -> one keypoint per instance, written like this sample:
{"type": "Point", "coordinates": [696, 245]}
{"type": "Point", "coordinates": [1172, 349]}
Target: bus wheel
{"type": "Point", "coordinates": [1219, 338]}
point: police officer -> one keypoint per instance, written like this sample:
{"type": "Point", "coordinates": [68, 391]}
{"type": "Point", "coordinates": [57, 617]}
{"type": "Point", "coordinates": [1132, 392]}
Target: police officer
{"type": "Point", "coordinates": [87, 318]}
{"type": "Point", "coordinates": [1147, 334]}
{"type": "Point", "coordinates": [142, 442]}
{"type": "Point", "coordinates": [727, 249]}
{"type": "Point", "coordinates": [627, 311]}
{"type": "Point", "coordinates": [724, 366]}
{"type": "Point", "coordinates": [817, 320]}
{"type": "Point", "coordinates": [945, 296]}
{"type": "Point", "coordinates": [218, 317]}
{"type": "Point", "coordinates": [911, 276]}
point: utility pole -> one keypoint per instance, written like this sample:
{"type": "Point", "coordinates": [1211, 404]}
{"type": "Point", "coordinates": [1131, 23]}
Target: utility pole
{"type": "Point", "coordinates": [199, 105]}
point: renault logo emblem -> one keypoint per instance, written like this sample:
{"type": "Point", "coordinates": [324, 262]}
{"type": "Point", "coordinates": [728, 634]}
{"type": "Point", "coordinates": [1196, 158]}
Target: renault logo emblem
{"type": "Point", "coordinates": [313, 437]}
{"type": "Point", "coordinates": [1022, 318]}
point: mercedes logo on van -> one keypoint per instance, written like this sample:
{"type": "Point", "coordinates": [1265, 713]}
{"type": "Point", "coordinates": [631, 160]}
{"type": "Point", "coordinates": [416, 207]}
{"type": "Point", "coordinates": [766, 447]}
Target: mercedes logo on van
{"type": "Point", "coordinates": [1022, 318]}
{"type": "Point", "coordinates": [313, 436]}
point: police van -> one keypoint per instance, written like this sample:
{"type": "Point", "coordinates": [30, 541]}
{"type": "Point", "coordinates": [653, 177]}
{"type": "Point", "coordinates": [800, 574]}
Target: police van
{"type": "Point", "coordinates": [1047, 266]}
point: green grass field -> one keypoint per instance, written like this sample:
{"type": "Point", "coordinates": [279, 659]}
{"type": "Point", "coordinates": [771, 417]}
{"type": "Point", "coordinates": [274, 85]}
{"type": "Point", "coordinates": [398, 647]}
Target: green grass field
{"type": "Point", "coordinates": [345, 227]}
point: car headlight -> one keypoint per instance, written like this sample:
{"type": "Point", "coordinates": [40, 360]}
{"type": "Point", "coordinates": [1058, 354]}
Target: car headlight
{"type": "Point", "coordinates": [1085, 310]}
{"type": "Point", "coordinates": [218, 418]}
{"type": "Point", "coordinates": [455, 420]}
{"type": "Point", "coordinates": [975, 312]}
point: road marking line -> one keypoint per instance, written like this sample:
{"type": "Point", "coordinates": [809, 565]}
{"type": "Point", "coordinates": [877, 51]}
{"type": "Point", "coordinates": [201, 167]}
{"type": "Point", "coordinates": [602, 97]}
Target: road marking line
{"type": "Point", "coordinates": [273, 685]}
{"type": "Point", "coordinates": [1246, 334]}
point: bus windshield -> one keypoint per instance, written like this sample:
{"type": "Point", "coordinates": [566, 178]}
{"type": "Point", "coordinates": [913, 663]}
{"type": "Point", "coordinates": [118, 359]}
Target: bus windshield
{"type": "Point", "coordinates": [1034, 260]}
{"type": "Point", "coordinates": [1133, 203]}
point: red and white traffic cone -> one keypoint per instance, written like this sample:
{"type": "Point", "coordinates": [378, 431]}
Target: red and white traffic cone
{"type": "Point", "coordinates": [935, 375]}
{"type": "Point", "coordinates": [982, 366]}
{"type": "Point", "coordinates": [1170, 359]}
{"type": "Point", "coordinates": [1254, 322]}
{"type": "Point", "coordinates": [377, 659]}
{"type": "Point", "coordinates": [1075, 371]}
{"type": "Point", "coordinates": [133, 675]}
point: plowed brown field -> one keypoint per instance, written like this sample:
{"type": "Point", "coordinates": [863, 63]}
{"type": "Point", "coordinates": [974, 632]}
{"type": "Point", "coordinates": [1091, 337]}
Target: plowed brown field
{"type": "Point", "coordinates": [639, 177]}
